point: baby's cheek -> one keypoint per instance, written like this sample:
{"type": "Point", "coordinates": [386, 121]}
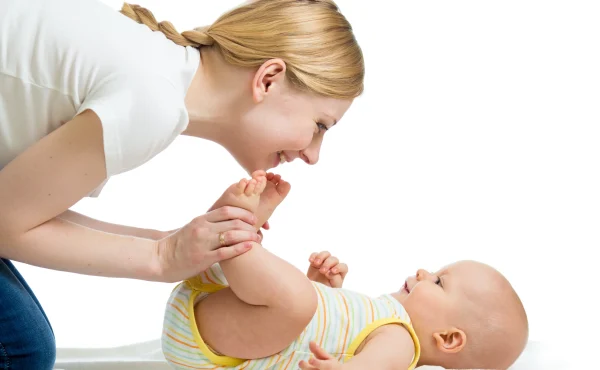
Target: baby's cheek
{"type": "Point", "coordinates": [427, 302]}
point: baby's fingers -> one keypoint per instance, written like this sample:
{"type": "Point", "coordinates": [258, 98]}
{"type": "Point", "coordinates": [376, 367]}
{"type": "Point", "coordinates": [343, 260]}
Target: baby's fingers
{"type": "Point", "coordinates": [341, 269]}
{"type": "Point", "coordinates": [336, 281]}
{"type": "Point", "coordinates": [329, 263]}
{"type": "Point", "coordinates": [319, 258]}
{"type": "Point", "coordinates": [305, 366]}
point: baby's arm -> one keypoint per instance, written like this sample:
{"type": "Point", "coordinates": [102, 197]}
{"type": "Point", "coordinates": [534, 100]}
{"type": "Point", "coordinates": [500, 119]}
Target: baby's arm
{"type": "Point", "coordinates": [387, 348]}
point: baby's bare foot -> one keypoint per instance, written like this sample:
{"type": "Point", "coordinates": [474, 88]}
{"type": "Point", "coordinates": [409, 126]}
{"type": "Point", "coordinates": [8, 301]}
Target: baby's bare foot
{"type": "Point", "coordinates": [274, 193]}
{"type": "Point", "coordinates": [244, 194]}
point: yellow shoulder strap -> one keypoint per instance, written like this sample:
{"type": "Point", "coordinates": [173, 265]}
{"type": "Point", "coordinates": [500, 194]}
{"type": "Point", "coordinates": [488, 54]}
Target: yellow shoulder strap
{"type": "Point", "coordinates": [379, 323]}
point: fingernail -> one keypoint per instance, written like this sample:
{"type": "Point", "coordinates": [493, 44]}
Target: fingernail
{"type": "Point", "coordinates": [318, 260]}
{"type": "Point", "coordinates": [335, 271]}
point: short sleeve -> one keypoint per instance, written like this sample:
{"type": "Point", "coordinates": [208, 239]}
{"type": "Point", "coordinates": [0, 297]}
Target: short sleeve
{"type": "Point", "coordinates": [140, 118]}
{"type": "Point", "coordinates": [96, 192]}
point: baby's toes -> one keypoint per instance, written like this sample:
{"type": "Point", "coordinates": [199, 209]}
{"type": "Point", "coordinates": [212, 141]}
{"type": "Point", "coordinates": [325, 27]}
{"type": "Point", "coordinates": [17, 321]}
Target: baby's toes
{"type": "Point", "coordinates": [283, 188]}
{"type": "Point", "coordinates": [238, 189]}
{"type": "Point", "coordinates": [260, 186]}
{"type": "Point", "coordinates": [250, 188]}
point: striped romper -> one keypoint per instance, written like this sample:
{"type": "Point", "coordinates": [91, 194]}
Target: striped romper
{"type": "Point", "coordinates": [343, 319]}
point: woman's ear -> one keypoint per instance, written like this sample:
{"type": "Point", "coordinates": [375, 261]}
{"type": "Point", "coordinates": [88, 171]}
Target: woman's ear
{"type": "Point", "coordinates": [269, 75]}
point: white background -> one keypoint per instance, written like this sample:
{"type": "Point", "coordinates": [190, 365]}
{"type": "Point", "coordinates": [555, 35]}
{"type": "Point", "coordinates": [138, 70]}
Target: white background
{"type": "Point", "coordinates": [477, 138]}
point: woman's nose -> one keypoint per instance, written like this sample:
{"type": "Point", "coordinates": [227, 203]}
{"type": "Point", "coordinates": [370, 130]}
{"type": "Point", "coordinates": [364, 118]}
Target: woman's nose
{"type": "Point", "coordinates": [310, 155]}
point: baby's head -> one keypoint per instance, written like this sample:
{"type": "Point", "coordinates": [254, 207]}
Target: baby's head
{"type": "Point", "coordinates": [467, 315]}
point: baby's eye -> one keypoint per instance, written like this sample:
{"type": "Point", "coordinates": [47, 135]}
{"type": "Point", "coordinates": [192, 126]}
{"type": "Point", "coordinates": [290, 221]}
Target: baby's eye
{"type": "Point", "coordinates": [439, 282]}
{"type": "Point", "coordinates": [321, 127]}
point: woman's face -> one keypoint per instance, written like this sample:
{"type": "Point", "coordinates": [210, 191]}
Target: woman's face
{"type": "Point", "coordinates": [282, 123]}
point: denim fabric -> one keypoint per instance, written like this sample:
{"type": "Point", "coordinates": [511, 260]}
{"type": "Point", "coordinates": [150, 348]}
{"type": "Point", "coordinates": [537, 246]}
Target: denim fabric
{"type": "Point", "coordinates": [26, 337]}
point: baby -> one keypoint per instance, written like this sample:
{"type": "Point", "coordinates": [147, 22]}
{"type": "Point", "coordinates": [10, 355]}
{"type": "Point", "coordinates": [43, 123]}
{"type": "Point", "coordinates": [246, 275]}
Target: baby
{"type": "Point", "coordinates": [257, 311]}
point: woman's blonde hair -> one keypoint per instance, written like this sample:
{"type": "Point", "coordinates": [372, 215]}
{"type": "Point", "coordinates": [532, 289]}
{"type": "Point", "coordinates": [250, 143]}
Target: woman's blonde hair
{"type": "Point", "coordinates": [311, 36]}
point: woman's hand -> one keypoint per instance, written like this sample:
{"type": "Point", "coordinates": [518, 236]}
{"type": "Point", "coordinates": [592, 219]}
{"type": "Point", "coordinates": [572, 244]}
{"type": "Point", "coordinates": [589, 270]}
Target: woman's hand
{"type": "Point", "coordinates": [326, 269]}
{"type": "Point", "coordinates": [197, 246]}
{"type": "Point", "coordinates": [260, 234]}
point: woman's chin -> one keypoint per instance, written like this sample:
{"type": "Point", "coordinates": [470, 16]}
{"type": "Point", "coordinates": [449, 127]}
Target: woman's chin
{"type": "Point", "coordinates": [250, 167]}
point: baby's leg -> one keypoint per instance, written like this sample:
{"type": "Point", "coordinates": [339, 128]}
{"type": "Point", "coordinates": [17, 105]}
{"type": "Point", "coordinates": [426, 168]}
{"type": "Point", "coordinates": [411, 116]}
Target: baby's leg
{"type": "Point", "coordinates": [268, 304]}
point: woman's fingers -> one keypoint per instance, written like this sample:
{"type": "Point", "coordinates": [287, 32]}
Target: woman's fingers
{"type": "Point", "coordinates": [226, 253]}
{"type": "Point", "coordinates": [232, 237]}
{"type": "Point", "coordinates": [227, 213]}
{"type": "Point", "coordinates": [223, 226]}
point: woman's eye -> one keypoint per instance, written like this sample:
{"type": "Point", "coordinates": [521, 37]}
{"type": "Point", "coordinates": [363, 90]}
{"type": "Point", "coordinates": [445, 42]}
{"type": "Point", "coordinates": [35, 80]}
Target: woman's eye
{"type": "Point", "coordinates": [321, 127]}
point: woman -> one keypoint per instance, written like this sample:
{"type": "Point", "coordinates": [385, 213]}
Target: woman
{"type": "Point", "coordinates": [87, 93]}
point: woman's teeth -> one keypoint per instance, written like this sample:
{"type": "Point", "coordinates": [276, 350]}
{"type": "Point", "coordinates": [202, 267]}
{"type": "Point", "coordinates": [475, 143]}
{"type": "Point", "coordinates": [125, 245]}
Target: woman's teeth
{"type": "Point", "coordinates": [281, 158]}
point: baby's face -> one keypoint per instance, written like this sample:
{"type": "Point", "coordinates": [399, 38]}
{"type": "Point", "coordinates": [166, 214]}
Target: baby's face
{"type": "Point", "coordinates": [466, 300]}
{"type": "Point", "coordinates": [434, 300]}
{"type": "Point", "coordinates": [428, 296]}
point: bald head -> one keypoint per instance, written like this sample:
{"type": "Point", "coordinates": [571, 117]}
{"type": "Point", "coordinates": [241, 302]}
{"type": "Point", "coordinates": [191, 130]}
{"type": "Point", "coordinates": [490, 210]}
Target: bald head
{"type": "Point", "coordinates": [493, 316]}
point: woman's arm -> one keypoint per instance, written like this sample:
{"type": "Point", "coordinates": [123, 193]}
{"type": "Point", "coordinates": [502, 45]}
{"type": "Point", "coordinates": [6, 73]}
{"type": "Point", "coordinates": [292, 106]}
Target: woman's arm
{"type": "Point", "coordinates": [86, 221]}
{"type": "Point", "coordinates": [52, 175]}
{"type": "Point", "coordinates": [65, 246]}
{"type": "Point", "coordinates": [42, 183]}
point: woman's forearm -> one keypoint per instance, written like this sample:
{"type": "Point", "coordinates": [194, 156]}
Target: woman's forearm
{"type": "Point", "coordinates": [66, 246]}
{"type": "Point", "coordinates": [107, 227]}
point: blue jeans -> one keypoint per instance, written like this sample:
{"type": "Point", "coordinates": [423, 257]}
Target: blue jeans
{"type": "Point", "coordinates": [26, 337]}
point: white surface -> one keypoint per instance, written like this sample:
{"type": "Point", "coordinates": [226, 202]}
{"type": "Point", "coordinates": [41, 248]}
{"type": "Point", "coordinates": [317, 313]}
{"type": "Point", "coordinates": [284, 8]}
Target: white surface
{"type": "Point", "coordinates": [148, 356]}
{"type": "Point", "coordinates": [477, 138]}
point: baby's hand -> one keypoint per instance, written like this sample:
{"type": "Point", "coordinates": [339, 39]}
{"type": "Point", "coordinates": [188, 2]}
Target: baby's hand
{"type": "Point", "coordinates": [321, 360]}
{"type": "Point", "coordinates": [326, 269]}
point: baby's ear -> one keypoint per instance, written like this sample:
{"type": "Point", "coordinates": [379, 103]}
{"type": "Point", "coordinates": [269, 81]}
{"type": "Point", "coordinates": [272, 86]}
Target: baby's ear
{"type": "Point", "coordinates": [450, 341]}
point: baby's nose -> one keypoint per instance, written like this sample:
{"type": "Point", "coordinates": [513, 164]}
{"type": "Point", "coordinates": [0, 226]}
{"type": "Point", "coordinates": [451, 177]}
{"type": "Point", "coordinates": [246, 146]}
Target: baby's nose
{"type": "Point", "coordinates": [423, 275]}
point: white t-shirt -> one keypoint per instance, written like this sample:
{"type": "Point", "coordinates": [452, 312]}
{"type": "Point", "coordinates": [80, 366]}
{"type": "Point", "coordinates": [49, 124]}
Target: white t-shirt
{"type": "Point", "coordinates": [61, 57]}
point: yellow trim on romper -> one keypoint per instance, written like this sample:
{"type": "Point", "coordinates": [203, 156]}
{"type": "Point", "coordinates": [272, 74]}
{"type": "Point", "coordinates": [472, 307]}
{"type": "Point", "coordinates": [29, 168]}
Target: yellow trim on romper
{"type": "Point", "coordinates": [206, 351]}
{"type": "Point", "coordinates": [379, 323]}
{"type": "Point", "coordinates": [176, 286]}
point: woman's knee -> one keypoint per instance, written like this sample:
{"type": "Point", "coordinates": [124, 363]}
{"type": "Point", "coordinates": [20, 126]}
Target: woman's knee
{"type": "Point", "coordinates": [42, 355]}
{"type": "Point", "coordinates": [27, 349]}
{"type": "Point", "coordinates": [26, 338]}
